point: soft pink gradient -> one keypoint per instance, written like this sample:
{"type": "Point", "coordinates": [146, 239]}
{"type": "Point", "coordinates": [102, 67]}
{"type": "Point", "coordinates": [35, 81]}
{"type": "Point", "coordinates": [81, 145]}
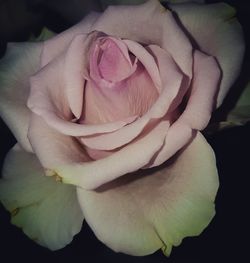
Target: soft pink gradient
{"type": "Point", "coordinates": [115, 95]}
{"type": "Point", "coordinates": [110, 88]}
{"type": "Point", "coordinates": [122, 91]}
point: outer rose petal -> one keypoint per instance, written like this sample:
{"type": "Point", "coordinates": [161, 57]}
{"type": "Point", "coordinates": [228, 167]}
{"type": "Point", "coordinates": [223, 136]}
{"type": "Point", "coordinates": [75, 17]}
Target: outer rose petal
{"type": "Point", "coordinates": [90, 175]}
{"type": "Point", "coordinates": [222, 38]}
{"type": "Point", "coordinates": [139, 214]}
{"type": "Point", "coordinates": [53, 47]}
{"type": "Point", "coordinates": [20, 61]}
{"type": "Point", "coordinates": [204, 90]}
{"type": "Point", "coordinates": [46, 210]}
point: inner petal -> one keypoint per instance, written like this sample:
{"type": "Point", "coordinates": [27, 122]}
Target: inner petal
{"type": "Point", "coordinates": [114, 64]}
{"type": "Point", "coordinates": [131, 97]}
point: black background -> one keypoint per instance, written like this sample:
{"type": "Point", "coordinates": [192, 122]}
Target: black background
{"type": "Point", "coordinates": [227, 237]}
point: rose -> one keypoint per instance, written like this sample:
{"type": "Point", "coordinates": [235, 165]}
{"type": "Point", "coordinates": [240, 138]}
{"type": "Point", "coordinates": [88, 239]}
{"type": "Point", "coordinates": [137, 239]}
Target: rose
{"type": "Point", "coordinates": [75, 85]}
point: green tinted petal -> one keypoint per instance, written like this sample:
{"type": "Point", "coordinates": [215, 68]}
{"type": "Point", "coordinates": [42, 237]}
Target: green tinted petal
{"type": "Point", "coordinates": [141, 213]}
{"type": "Point", "coordinates": [46, 210]}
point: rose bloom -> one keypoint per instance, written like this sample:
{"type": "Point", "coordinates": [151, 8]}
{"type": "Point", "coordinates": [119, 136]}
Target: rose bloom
{"type": "Point", "coordinates": [107, 117]}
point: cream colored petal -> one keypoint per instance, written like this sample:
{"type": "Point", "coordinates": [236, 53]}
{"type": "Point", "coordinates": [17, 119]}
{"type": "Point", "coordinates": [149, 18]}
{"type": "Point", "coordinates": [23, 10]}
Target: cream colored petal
{"type": "Point", "coordinates": [143, 212]}
{"type": "Point", "coordinates": [19, 63]}
{"type": "Point", "coordinates": [46, 210]}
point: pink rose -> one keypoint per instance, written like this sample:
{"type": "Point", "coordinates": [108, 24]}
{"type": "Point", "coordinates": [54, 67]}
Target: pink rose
{"type": "Point", "coordinates": [120, 91]}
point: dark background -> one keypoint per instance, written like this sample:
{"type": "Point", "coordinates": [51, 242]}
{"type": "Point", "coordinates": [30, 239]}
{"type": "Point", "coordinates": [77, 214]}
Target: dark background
{"type": "Point", "coordinates": [226, 238]}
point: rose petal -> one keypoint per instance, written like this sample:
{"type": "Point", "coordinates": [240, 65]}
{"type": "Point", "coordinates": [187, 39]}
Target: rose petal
{"type": "Point", "coordinates": [51, 147]}
{"type": "Point", "coordinates": [135, 23]}
{"type": "Point", "coordinates": [199, 107]}
{"type": "Point", "coordinates": [131, 97]}
{"type": "Point", "coordinates": [222, 38]}
{"type": "Point", "coordinates": [74, 72]}
{"type": "Point", "coordinates": [114, 64]}
{"type": "Point", "coordinates": [20, 61]}
{"type": "Point", "coordinates": [90, 175]}
{"type": "Point", "coordinates": [53, 47]}
{"type": "Point", "coordinates": [139, 214]}
{"type": "Point", "coordinates": [147, 60]}
{"type": "Point", "coordinates": [46, 210]}
{"type": "Point", "coordinates": [173, 88]}
{"type": "Point", "coordinates": [179, 134]}
{"type": "Point", "coordinates": [56, 92]}
{"type": "Point", "coordinates": [204, 91]}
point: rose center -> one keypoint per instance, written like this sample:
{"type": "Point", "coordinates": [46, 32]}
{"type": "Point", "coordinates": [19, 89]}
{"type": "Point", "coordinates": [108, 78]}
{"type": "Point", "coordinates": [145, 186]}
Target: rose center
{"type": "Point", "coordinates": [111, 61]}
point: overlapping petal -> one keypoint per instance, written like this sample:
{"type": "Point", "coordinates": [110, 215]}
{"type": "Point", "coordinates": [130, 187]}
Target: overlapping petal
{"type": "Point", "coordinates": [90, 175]}
{"type": "Point", "coordinates": [57, 92]}
{"type": "Point", "coordinates": [173, 87]}
{"type": "Point", "coordinates": [145, 211]}
{"type": "Point", "coordinates": [222, 38]}
{"type": "Point", "coordinates": [135, 23]}
{"type": "Point", "coordinates": [113, 101]}
{"type": "Point", "coordinates": [20, 61]}
{"type": "Point", "coordinates": [46, 210]}
{"type": "Point", "coordinates": [198, 109]}
{"type": "Point", "coordinates": [53, 148]}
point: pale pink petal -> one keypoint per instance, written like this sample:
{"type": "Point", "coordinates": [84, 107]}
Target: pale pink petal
{"type": "Point", "coordinates": [53, 148]}
{"type": "Point", "coordinates": [57, 92]}
{"type": "Point", "coordinates": [131, 97]}
{"type": "Point", "coordinates": [222, 37]}
{"type": "Point", "coordinates": [147, 60]}
{"type": "Point", "coordinates": [155, 209]}
{"type": "Point", "coordinates": [169, 73]}
{"type": "Point", "coordinates": [173, 89]}
{"type": "Point", "coordinates": [90, 175]}
{"type": "Point", "coordinates": [118, 55]}
{"type": "Point", "coordinates": [114, 65]}
{"type": "Point", "coordinates": [20, 61]}
{"type": "Point", "coordinates": [149, 23]}
{"type": "Point", "coordinates": [199, 107]}
{"type": "Point", "coordinates": [179, 135]}
{"type": "Point", "coordinates": [56, 45]}
{"type": "Point", "coordinates": [205, 86]}
{"type": "Point", "coordinates": [74, 72]}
